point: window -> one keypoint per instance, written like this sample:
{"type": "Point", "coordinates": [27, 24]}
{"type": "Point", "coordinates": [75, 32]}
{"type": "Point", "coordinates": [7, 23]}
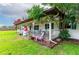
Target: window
{"type": "Point", "coordinates": [52, 25]}
{"type": "Point", "coordinates": [68, 26]}
{"type": "Point", "coordinates": [60, 25]}
{"type": "Point", "coordinates": [36, 27]}
{"type": "Point", "coordinates": [71, 26]}
{"type": "Point", "coordinates": [46, 26]}
{"type": "Point", "coordinates": [74, 25]}
{"type": "Point", "coordinates": [30, 27]}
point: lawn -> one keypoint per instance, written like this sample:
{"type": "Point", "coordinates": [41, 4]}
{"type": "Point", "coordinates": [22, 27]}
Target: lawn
{"type": "Point", "coordinates": [9, 44]}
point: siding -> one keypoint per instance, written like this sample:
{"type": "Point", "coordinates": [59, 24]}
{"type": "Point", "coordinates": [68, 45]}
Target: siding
{"type": "Point", "coordinates": [74, 34]}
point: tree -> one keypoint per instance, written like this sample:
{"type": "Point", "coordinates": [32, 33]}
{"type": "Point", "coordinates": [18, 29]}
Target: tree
{"type": "Point", "coordinates": [35, 12]}
{"type": "Point", "coordinates": [70, 14]}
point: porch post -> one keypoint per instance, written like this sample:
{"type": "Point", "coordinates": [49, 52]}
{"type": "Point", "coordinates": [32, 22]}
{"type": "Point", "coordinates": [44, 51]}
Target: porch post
{"type": "Point", "coordinates": [49, 30]}
{"type": "Point", "coordinates": [33, 28]}
{"type": "Point", "coordinates": [15, 27]}
{"type": "Point", "coordinates": [50, 34]}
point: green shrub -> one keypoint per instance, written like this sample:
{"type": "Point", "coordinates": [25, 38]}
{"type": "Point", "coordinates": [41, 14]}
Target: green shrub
{"type": "Point", "coordinates": [64, 34]}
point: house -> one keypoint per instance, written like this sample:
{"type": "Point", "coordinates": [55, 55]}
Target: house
{"type": "Point", "coordinates": [51, 28]}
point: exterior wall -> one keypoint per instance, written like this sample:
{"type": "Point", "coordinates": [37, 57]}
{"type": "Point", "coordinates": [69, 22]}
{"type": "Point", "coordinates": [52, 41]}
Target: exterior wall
{"type": "Point", "coordinates": [74, 32]}
{"type": "Point", "coordinates": [54, 32]}
{"type": "Point", "coordinates": [78, 26]}
{"type": "Point", "coordinates": [18, 26]}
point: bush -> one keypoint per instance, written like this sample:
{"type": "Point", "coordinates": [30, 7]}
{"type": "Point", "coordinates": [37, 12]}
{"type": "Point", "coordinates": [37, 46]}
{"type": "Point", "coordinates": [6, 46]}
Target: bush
{"type": "Point", "coordinates": [64, 34]}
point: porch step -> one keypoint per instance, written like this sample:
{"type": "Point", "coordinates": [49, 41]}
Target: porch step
{"type": "Point", "coordinates": [48, 43]}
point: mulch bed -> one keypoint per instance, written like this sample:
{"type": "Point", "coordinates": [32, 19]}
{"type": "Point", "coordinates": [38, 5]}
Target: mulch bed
{"type": "Point", "coordinates": [75, 41]}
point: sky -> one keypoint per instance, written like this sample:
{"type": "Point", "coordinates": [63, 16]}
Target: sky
{"type": "Point", "coordinates": [10, 12]}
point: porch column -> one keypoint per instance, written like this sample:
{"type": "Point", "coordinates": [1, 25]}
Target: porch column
{"type": "Point", "coordinates": [49, 30]}
{"type": "Point", "coordinates": [15, 27]}
{"type": "Point", "coordinates": [50, 34]}
{"type": "Point", "coordinates": [33, 28]}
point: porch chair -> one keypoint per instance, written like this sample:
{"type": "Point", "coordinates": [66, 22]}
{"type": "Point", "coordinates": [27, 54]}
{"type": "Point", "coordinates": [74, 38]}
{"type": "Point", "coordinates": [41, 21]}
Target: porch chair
{"type": "Point", "coordinates": [39, 37]}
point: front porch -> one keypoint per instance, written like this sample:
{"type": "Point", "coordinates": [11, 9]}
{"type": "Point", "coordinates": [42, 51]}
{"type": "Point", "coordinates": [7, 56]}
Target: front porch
{"type": "Point", "coordinates": [46, 41]}
{"type": "Point", "coordinates": [54, 33]}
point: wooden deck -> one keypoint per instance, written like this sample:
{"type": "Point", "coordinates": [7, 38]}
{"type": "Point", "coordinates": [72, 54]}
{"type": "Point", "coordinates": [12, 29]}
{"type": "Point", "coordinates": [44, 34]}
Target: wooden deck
{"type": "Point", "coordinates": [46, 42]}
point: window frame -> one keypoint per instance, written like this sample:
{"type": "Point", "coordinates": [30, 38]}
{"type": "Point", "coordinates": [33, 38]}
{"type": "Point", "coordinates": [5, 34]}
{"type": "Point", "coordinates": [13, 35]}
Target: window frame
{"type": "Point", "coordinates": [36, 27]}
{"type": "Point", "coordinates": [46, 27]}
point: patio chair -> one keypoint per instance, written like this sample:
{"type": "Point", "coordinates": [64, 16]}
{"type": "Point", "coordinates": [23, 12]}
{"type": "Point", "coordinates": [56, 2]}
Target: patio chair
{"type": "Point", "coordinates": [39, 37]}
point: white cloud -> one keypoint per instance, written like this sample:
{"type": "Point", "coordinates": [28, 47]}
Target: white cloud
{"type": "Point", "coordinates": [15, 9]}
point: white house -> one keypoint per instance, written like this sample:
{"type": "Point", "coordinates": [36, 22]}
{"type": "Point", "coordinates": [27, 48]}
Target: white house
{"type": "Point", "coordinates": [50, 27]}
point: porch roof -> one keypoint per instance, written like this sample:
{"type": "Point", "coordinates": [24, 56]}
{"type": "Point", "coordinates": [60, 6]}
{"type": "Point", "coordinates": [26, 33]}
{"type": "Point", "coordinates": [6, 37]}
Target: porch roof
{"type": "Point", "coordinates": [25, 20]}
{"type": "Point", "coordinates": [53, 11]}
{"type": "Point", "coordinates": [50, 11]}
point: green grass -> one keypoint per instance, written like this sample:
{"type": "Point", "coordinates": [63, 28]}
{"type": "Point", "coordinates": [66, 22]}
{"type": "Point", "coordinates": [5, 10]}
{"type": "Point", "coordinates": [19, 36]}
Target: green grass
{"type": "Point", "coordinates": [9, 44]}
